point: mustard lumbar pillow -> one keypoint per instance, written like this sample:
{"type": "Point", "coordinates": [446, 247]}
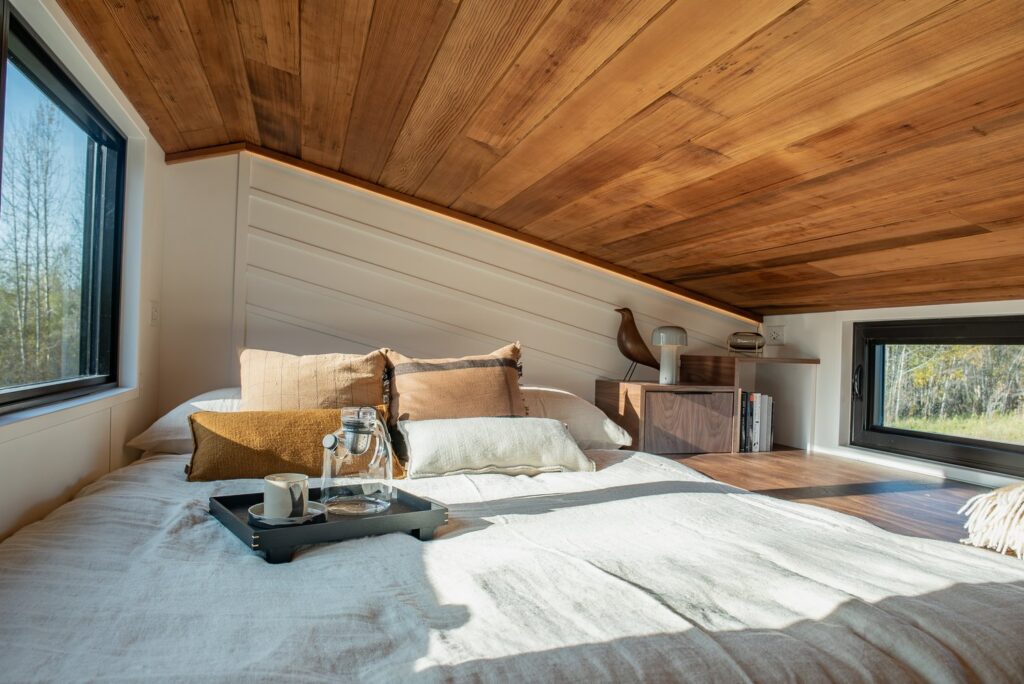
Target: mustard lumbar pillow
{"type": "Point", "coordinates": [254, 444]}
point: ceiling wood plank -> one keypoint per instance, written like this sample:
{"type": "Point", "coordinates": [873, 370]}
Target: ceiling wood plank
{"type": "Point", "coordinates": [160, 35]}
{"type": "Point", "coordinates": [403, 40]}
{"type": "Point", "coordinates": [988, 161]}
{"type": "Point", "coordinates": [661, 129]}
{"type": "Point", "coordinates": [975, 96]}
{"type": "Point", "coordinates": [578, 37]}
{"type": "Point", "coordinates": [212, 24]}
{"type": "Point", "coordinates": [463, 162]}
{"type": "Point", "coordinates": [641, 72]}
{"type": "Point", "coordinates": [785, 155]}
{"type": "Point", "coordinates": [632, 221]}
{"type": "Point", "coordinates": [483, 40]}
{"type": "Point", "coordinates": [955, 251]}
{"type": "Point", "coordinates": [941, 226]}
{"type": "Point", "coordinates": [971, 35]}
{"type": "Point", "coordinates": [992, 279]}
{"type": "Point", "coordinates": [93, 19]}
{"type": "Point", "coordinates": [333, 38]}
{"type": "Point", "coordinates": [269, 31]}
{"type": "Point", "coordinates": [276, 98]}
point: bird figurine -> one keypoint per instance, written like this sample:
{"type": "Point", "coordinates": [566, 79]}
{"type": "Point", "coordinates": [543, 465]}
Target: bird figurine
{"type": "Point", "coordinates": [632, 344]}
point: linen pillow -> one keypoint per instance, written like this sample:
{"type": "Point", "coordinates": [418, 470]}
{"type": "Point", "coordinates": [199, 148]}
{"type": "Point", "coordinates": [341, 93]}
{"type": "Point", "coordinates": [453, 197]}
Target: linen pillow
{"type": "Point", "coordinates": [272, 381]}
{"type": "Point", "coordinates": [513, 446]}
{"type": "Point", "coordinates": [467, 387]}
{"type": "Point", "coordinates": [170, 434]}
{"type": "Point", "coordinates": [589, 426]}
{"type": "Point", "coordinates": [254, 444]}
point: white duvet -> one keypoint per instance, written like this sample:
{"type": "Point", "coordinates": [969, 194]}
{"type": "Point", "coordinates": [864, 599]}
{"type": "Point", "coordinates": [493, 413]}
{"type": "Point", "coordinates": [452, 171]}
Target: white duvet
{"type": "Point", "coordinates": [643, 570]}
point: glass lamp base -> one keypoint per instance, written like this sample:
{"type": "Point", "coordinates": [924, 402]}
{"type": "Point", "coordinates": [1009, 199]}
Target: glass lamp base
{"type": "Point", "coordinates": [356, 505]}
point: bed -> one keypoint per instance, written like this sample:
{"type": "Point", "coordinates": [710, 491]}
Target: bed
{"type": "Point", "coordinates": [642, 570]}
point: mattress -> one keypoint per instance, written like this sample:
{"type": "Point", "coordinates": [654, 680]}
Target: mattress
{"type": "Point", "coordinates": [642, 570]}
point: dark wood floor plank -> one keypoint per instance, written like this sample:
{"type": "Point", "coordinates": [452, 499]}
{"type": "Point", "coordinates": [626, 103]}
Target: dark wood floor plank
{"type": "Point", "coordinates": [896, 500]}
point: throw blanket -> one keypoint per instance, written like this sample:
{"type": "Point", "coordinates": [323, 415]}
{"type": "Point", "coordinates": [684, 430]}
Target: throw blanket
{"type": "Point", "coordinates": [643, 570]}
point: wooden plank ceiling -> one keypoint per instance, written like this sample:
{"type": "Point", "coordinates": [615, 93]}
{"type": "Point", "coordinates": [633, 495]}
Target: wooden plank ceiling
{"type": "Point", "coordinates": [778, 155]}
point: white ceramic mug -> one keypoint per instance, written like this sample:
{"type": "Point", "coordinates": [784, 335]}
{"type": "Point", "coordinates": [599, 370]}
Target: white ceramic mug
{"type": "Point", "coordinates": [285, 495]}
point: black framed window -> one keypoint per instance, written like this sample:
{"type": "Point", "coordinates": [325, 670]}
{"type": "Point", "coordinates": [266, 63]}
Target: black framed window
{"type": "Point", "coordinates": [949, 390]}
{"type": "Point", "coordinates": [61, 215]}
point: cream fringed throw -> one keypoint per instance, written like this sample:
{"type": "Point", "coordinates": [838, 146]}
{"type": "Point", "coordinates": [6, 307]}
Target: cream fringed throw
{"type": "Point", "coordinates": [995, 520]}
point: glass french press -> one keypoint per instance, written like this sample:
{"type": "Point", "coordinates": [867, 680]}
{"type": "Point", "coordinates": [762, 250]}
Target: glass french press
{"type": "Point", "coordinates": [357, 465]}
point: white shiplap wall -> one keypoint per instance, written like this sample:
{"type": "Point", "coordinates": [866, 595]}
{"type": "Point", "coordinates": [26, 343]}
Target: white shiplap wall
{"type": "Point", "coordinates": [323, 266]}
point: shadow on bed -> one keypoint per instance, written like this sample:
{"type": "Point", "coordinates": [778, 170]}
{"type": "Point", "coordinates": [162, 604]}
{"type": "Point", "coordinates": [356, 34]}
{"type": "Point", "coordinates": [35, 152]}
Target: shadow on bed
{"type": "Point", "coordinates": [473, 517]}
{"type": "Point", "coordinates": [968, 632]}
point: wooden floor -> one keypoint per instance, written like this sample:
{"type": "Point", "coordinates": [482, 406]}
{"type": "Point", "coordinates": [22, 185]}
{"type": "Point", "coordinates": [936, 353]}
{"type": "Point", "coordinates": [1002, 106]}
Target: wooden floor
{"type": "Point", "coordinates": [896, 500]}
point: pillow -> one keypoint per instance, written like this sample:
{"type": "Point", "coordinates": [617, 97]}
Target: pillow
{"type": "Point", "coordinates": [272, 381]}
{"type": "Point", "coordinates": [513, 446]}
{"type": "Point", "coordinates": [170, 434]}
{"type": "Point", "coordinates": [467, 387]}
{"type": "Point", "coordinates": [254, 444]}
{"type": "Point", "coordinates": [589, 426]}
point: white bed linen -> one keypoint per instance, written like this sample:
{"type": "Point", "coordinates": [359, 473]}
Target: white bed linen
{"type": "Point", "coordinates": [644, 569]}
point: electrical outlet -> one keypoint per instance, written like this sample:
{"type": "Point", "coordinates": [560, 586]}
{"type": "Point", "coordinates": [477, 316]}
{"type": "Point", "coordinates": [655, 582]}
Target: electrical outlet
{"type": "Point", "coordinates": [775, 335]}
{"type": "Point", "coordinates": [154, 314]}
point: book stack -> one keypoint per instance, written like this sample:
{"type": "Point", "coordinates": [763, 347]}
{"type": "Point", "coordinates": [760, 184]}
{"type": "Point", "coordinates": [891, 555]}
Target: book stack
{"type": "Point", "coordinates": [757, 422]}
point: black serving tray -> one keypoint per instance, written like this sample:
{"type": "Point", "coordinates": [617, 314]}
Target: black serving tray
{"type": "Point", "coordinates": [407, 513]}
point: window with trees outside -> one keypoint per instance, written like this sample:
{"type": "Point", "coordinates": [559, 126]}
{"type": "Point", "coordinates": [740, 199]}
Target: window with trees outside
{"type": "Point", "coordinates": [61, 205]}
{"type": "Point", "coordinates": [949, 390]}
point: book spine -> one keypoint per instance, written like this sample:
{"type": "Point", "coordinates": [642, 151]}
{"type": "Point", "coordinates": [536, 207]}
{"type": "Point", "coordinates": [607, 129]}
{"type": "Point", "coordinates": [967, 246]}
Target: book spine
{"type": "Point", "coordinates": [743, 421]}
{"type": "Point", "coordinates": [766, 420]}
{"type": "Point", "coordinates": [748, 417]}
{"type": "Point", "coordinates": [750, 422]}
{"type": "Point", "coordinates": [756, 446]}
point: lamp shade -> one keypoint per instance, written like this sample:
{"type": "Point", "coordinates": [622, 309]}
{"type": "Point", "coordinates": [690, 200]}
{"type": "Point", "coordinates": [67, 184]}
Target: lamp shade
{"type": "Point", "coordinates": [669, 335]}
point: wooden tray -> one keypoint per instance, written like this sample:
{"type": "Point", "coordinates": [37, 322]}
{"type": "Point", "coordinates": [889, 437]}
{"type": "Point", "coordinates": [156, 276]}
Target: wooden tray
{"type": "Point", "coordinates": [407, 513]}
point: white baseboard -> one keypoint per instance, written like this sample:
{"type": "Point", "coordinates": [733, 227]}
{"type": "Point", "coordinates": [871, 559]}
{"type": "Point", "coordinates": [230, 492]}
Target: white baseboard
{"type": "Point", "coordinates": [920, 466]}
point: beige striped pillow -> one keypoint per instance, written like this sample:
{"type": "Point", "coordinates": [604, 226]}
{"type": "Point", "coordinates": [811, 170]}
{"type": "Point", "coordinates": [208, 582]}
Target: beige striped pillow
{"type": "Point", "coordinates": [467, 387]}
{"type": "Point", "coordinates": [272, 381]}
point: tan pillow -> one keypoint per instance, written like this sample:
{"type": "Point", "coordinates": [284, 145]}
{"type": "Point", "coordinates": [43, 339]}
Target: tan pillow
{"type": "Point", "coordinates": [254, 444]}
{"type": "Point", "coordinates": [468, 387]}
{"type": "Point", "coordinates": [272, 381]}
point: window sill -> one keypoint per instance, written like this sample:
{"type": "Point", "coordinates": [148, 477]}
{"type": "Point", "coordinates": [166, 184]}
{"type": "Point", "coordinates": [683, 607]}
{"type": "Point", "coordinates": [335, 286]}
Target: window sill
{"type": "Point", "coordinates": [32, 420]}
{"type": "Point", "coordinates": [923, 466]}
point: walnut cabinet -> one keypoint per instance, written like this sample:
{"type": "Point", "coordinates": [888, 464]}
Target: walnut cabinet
{"type": "Point", "coordinates": [673, 419]}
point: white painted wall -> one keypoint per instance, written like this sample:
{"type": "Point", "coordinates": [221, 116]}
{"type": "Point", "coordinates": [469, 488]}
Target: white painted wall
{"type": "Point", "coordinates": [829, 336]}
{"type": "Point", "coordinates": [321, 266]}
{"type": "Point", "coordinates": [48, 454]}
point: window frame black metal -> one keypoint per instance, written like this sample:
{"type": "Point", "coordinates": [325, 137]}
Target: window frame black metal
{"type": "Point", "coordinates": [867, 390]}
{"type": "Point", "coordinates": [104, 225]}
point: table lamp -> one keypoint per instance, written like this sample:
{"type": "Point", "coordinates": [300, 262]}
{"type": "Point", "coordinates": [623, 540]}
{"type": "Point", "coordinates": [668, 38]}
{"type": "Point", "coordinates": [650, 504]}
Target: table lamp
{"type": "Point", "coordinates": [671, 339]}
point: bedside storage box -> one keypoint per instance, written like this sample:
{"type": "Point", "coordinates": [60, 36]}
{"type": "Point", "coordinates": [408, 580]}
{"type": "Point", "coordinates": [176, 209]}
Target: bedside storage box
{"type": "Point", "coordinates": [673, 419]}
{"type": "Point", "coordinates": [407, 513]}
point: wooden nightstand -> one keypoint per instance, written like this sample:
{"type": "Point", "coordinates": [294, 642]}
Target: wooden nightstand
{"type": "Point", "coordinates": [673, 419]}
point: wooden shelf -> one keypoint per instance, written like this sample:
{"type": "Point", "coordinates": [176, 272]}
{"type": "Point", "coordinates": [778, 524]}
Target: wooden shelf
{"type": "Point", "coordinates": [771, 359]}
{"type": "Point", "coordinates": [727, 370]}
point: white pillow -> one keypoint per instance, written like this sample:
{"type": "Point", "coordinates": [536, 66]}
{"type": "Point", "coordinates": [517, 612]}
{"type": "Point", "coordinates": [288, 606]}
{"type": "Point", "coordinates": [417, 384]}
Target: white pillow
{"type": "Point", "coordinates": [513, 446]}
{"type": "Point", "coordinates": [589, 426]}
{"type": "Point", "coordinates": [171, 434]}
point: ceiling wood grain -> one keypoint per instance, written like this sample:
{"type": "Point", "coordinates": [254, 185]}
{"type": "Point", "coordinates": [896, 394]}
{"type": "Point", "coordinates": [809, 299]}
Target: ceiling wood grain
{"type": "Point", "coordinates": [778, 156]}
